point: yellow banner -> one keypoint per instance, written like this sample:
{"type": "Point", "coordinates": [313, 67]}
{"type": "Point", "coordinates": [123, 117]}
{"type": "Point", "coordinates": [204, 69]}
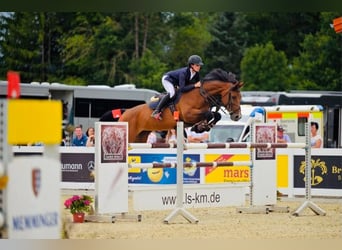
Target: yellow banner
{"type": "Point", "coordinates": [226, 174]}
{"type": "Point", "coordinates": [134, 159]}
{"type": "Point", "coordinates": [34, 121]}
{"type": "Point", "coordinates": [282, 171]}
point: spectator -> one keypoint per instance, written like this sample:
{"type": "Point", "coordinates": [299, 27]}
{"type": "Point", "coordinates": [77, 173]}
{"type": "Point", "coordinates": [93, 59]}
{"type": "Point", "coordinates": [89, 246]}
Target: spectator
{"type": "Point", "coordinates": [80, 139]}
{"type": "Point", "coordinates": [281, 136]}
{"type": "Point", "coordinates": [91, 137]}
{"type": "Point", "coordinates": [171, 136]}
{"type": "Point", "coordinates": [197, 137]}
{"type": "Point", "coordinates": [152, 137]}
{"type": "Point", "coordinates": [64, 141]}
{"type": "Point", "coordinates": [316, 139]}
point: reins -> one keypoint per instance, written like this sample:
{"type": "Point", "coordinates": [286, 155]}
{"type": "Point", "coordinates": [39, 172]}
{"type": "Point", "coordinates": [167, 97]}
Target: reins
{"type": "Point", "coordinates": [211, 100]}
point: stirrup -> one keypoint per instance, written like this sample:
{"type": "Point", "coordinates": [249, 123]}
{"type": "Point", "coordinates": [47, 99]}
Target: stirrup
{"type": "Point", "coordinates": [156, 115]}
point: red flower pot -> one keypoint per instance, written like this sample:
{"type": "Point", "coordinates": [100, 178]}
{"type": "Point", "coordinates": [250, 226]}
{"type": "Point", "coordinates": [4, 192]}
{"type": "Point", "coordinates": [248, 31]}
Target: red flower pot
{"type": "Point", "coordinates": [78, 217]}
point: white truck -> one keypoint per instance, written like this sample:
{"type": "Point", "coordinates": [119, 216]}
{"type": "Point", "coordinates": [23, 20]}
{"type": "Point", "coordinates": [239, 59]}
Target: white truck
{"type": "Point", "coordinates": [291, 117]}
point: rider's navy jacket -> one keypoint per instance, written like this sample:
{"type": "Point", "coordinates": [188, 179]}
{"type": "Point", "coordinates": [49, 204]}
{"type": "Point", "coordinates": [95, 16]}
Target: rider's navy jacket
{"type": "Point", "coordinates": [181, 77]}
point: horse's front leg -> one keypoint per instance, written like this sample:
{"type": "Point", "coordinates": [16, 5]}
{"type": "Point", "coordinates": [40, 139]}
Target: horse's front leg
{"type": "Point", "coordinates": [213, 118]}
{"type": "Point", "coordinates": [209, 120]}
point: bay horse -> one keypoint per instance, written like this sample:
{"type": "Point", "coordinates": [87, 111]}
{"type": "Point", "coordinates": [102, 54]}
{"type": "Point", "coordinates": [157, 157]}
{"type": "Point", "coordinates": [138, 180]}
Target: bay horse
{"type": "Point", "coordinates": [218, 89]}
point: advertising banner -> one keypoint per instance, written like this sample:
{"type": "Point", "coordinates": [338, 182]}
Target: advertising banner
{"type": "Point", "coordinates": [111, 155]}
{"type": "Point", "coordinates": [265, 133]}
{"type": "Point", "coordinates": [162, 175]}
{"type": "Point", "coordinates": [227, 174]}
{"type": "Point", "coordinates": [34, 198]}
{"type": "Point", "coordinates": [77, 167]}
{"type": "Point", "coordinates": [326, 171]}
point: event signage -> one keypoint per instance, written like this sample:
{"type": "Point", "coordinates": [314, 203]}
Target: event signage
{"type": "Point", "coordinates": [34, 205]}
{"type": "Point", "coordinates": [326, 171]}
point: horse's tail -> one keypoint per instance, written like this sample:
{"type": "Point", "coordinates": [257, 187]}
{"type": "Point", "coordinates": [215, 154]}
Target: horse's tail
{"type": "Point", "coordinates": [111, 115]}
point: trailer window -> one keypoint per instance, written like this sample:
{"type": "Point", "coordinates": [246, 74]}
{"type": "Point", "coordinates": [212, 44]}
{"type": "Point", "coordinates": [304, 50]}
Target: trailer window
{"type": "Point", "coordinates": [301, 125]}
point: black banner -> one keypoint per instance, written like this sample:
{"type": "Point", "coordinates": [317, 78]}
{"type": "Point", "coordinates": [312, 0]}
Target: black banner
{"type": "Point", "coordinates": [77, 167]}
{"type": "Point", "coordinates": [326, 171]}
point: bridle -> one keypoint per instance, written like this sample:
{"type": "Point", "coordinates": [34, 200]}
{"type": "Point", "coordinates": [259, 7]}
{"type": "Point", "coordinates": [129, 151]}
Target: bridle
{"type": "Point", "coordinates": [215, 100]}
{"type": "Point", "coordinates": [230, 103]}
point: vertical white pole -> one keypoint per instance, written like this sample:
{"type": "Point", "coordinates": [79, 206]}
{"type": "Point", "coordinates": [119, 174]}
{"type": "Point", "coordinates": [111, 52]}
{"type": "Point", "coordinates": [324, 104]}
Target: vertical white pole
{"type": "Point", "coordinates": [180, 168]}
{"type": "Point", "coordinates": [308, 160]}
{"type": "Point", "coordinates": [5, 156]}
{"type": "Point", "coordinates": [180, 191]}
{"type": "Point", "coordinates": [251, 167]}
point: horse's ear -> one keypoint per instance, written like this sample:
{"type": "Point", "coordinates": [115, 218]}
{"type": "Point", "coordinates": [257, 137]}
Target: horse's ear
{"type": "Point", "coordinates": [237, 86]}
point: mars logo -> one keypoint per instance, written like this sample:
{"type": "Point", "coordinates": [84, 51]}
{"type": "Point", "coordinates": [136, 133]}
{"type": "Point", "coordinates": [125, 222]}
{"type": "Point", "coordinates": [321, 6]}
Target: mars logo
{"type": "Point", "coordinates": [318, 169]}
{"type": "Point", "coordinates": [36, 181]}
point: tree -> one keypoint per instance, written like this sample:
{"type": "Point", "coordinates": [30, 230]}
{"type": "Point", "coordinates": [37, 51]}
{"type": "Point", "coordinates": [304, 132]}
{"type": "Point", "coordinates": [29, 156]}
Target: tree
{"type": "Point", "coordinates": [229, 40]}
{"type": "Point", "coordinates": [265, 69]}
{"type": "Point", "coordinates": [148, 71]}
{"type": "Point", "coordinates": [319, 65]}
{"type": "Point", "coordinates": [124, 47]}
{"type": "Point", "coordinates": [29, 44]}
{"type": "Point", "coordinates": [79, 54]}
{"type": "Point", "coordinates": [23, 46]}
{"type": "Point", "coordinates": [285, 30]}
{"type": "Point", "coordinates": [189, 35]}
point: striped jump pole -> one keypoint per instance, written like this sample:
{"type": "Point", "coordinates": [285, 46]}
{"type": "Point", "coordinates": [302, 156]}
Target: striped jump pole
{"type": "Point", "coordinates": [189, 164]}
{"type": "Point", "coordinates": [151, 145]}
{"type": "Point", "coordinates": [243, 145]}
{"type": "Point", "coordinates": [216, 145]}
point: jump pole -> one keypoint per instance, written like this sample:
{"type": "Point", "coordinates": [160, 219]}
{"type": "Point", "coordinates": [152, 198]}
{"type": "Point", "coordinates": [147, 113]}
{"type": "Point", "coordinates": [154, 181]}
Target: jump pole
{"type": "Point", "coordinates": [308, 203]}
{"type": "Point", "coordinates": [180, 210]}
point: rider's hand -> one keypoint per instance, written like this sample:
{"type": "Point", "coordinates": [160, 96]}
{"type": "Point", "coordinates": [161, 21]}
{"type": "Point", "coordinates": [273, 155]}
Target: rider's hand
{"type": "Point", "coordinates": [197, 84]}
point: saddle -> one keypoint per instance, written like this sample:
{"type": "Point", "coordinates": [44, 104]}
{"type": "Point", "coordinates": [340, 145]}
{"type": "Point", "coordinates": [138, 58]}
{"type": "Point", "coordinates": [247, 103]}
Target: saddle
{"type": "Point", "coordinates": [171, 104]}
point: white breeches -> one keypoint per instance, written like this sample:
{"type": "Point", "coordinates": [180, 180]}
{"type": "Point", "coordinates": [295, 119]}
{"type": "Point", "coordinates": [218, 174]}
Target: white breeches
{"type": "Point", "coordinates": [168, 86]}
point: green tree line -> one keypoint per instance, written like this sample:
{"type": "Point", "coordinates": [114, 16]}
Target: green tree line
{"type": "Point", "coordinates": [271, 51]}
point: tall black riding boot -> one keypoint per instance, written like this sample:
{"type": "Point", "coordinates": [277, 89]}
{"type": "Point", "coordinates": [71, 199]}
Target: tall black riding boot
{"type": "Point", "coordinates": [157, 112]}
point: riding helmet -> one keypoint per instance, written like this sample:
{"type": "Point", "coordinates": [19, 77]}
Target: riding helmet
{"type": "Point", "coordinates": [195, 59]}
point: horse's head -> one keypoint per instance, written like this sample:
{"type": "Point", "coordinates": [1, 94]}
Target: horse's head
{"type": "Point", "coordinates": [232, 101]}
{"type": "Point", "coordinates": [227, 87]}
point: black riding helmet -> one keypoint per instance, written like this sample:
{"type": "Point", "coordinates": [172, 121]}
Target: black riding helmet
{"type": "Point", "coordinates": [195, 59]}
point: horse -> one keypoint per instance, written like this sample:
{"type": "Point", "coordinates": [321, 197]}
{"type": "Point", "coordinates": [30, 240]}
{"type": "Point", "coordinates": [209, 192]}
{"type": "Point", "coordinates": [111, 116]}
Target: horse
{"type": "Point", "coordinates": [197, 108]}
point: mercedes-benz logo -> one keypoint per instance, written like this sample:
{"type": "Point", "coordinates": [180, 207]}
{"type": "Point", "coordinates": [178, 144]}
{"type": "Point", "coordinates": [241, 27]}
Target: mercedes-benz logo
{"type": "Point", "coordinates": [91, 166]}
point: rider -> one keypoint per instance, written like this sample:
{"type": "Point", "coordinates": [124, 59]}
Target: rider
{"type": "Point", "coordinates": [186, 79]}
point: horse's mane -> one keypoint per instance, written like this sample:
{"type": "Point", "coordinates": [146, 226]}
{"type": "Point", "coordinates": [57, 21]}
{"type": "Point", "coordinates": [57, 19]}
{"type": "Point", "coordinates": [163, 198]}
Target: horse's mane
{"type": "Point", "coordinates": [220, 75]}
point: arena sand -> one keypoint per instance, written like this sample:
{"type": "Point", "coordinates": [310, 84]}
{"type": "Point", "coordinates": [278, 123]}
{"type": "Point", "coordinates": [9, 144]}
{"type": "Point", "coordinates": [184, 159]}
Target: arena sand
{"type": "Point", "coordinates": [218, 223]}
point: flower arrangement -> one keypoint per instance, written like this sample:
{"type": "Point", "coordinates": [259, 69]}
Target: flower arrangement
{"type": "Point", "coordinates": [79, 204]}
